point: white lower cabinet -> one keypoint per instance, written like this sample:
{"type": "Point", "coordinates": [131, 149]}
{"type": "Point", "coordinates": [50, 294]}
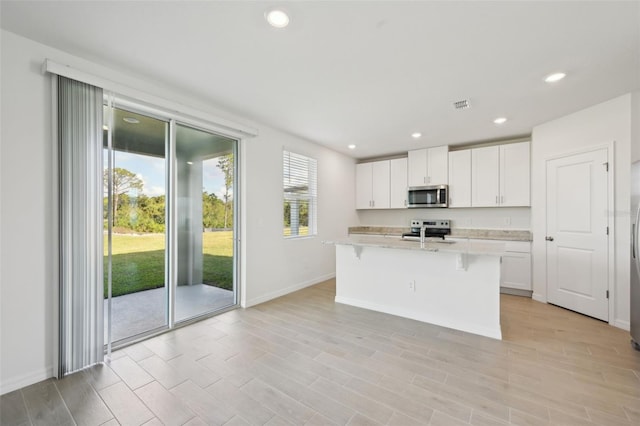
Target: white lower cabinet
{"type": "Point", "coordinates": [515, 266]}
{"type": "Point", "coordinates": [515, 271]}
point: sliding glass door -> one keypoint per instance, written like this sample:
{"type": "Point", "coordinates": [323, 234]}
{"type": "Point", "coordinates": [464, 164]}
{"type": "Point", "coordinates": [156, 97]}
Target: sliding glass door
{"type": "Point", "coordinates": [135, 223]}
{"type": "Point", "coordinates": [205, 165]}
{"type": "Point", "coordinates": [169, 223]}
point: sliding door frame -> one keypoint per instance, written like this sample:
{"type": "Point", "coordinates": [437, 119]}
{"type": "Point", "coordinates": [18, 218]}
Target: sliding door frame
{"type": "Point", "coordinates": [171, 256]}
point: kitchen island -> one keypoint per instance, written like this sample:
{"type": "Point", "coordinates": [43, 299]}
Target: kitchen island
{"type": "Point", "coordinates": [451, 284]}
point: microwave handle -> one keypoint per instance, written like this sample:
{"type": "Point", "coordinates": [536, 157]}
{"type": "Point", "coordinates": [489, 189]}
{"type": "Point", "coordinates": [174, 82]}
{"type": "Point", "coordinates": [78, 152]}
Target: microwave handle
{"type": "Point", "coordinates": [438, 196]}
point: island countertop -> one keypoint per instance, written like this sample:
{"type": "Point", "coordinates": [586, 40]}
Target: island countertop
{"type": "Point", "coordinates": [459, 246]}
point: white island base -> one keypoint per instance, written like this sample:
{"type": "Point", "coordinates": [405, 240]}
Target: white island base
{"type": "Point", "coordinates": [428, 286]}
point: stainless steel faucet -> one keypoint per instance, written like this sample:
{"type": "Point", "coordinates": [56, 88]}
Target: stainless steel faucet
{"type": "Point", "coordinates": [423, 228]}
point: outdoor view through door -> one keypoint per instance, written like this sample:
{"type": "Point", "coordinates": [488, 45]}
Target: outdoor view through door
{"type": "Point", "coordinates": [168, 222]}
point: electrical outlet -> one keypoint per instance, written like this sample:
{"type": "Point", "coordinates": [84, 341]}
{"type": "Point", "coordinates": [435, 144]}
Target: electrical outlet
{"type": "Point", "coordinates": [412, 286]}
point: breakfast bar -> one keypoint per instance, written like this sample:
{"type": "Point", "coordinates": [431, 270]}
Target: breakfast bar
{"type": "Point", "coordinates": [453, 284]}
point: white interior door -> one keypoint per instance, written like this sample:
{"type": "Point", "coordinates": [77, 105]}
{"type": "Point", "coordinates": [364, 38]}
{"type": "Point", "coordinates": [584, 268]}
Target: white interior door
{"type": "Point", "coordinates": [577, 240]}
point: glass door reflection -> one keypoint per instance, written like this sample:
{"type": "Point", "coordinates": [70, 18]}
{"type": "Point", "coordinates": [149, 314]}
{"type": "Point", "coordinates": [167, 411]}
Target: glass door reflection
{"type": "Point", "coordinates": [205, 261]}
{"type": "Point", "coordinates": [135, 225]}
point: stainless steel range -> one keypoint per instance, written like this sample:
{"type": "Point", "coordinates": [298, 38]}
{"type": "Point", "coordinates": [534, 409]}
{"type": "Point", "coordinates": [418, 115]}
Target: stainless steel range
{"type": "Point", "coordinates": [433, 228]}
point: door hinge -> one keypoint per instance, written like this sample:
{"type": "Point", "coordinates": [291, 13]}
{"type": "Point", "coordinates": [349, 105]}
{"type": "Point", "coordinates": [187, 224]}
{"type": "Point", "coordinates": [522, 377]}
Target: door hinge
{"type": "Point", "coordinates": [607, 294]}
{"type": "Point", "coordinates": [606, 166]}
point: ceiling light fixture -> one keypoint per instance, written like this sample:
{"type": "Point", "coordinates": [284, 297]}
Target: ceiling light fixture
{"type": "Point", "coordinates": [416, 135]}
{"type": "Point", "coordinates": [352, 146]}
{"type": "Point", "coordinates": [277, 18]}
{"type": "Point", "coordinates": [189, 162]}
{"type": "Point", "coordinates": [500, 120]}
{"type": "Point", "coordinates": [552, 78]}
{"type": "Point", "coordinates": [131, 120]}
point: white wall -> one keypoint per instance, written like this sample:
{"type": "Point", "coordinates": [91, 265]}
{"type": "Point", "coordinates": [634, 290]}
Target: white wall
{"type": "Point", "coordinates": [594, 126]}
{"type": "Point", "coordinates": [280, 265]}
{"type": "Point", "coordinates": [480, 218]}
{"type": "Point", "coordinates": [27, 269]}
{"type": "Point", "coordinates": [635, 127]}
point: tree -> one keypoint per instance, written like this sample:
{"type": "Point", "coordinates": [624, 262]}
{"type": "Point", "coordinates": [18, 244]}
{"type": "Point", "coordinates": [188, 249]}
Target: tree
{"type": "Point", "coordinates": [123, 182]}
{"type": "Point", "coordinates": [225, 163]}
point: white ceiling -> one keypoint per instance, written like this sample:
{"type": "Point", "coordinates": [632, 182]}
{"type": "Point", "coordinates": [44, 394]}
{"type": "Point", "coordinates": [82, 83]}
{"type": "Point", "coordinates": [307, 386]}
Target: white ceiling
{"type": "Point", "coordinates": [367, 73]}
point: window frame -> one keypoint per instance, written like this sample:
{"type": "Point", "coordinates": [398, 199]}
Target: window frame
{"type": "Point", "coordinates": [310, 196]}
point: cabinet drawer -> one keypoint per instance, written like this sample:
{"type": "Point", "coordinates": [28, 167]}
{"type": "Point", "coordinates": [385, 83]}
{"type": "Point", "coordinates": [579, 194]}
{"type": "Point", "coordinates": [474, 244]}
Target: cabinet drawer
{"type": "Point", "coordinates": [518, 246]}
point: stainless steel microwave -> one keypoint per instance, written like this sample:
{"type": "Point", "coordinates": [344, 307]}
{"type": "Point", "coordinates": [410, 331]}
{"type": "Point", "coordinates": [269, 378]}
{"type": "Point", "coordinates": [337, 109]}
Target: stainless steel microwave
{"type": "Point", "coordinates": [428, 196]}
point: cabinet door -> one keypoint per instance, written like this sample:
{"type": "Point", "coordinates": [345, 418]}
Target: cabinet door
{"type": "Point", "coordinates": [364, 186]}
{"type": "Point", "coordinates": [398, 179]}
{"type": "Point", "coordinates": [485, 176]}
{"type": "Point", "coordinates": [437, 165]}
{"type": "Point", "coordinates": [460, 178]}
{"type": "Point", "coordinates": [380, 184]}
{"type": "Point", "coordinates": [515, 174]}
{"type": "Point", "coordinates": [515, 271]}
{"type": "Point", "coordinates": [417, 167]}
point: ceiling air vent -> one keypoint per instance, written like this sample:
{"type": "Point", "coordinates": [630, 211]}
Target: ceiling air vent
{"type": "Point", "coordinates": [463, 104]}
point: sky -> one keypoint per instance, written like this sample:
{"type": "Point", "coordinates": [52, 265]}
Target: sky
{"type": "Point", "coordinates": [152, 172]}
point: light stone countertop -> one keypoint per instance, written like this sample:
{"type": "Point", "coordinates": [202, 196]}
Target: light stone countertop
{"type": "Point", "coordinates": [470, 246]}
{"type": "Point", "coordinates": [482, 234]}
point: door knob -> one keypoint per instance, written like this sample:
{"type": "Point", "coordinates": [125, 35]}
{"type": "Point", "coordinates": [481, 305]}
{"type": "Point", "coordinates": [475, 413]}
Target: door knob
{"type": "Point", "coordinates": [548, 238]}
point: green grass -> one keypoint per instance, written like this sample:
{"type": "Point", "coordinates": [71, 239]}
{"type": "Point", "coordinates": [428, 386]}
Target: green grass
{"type": "Point", "coordinates": [138, 261]}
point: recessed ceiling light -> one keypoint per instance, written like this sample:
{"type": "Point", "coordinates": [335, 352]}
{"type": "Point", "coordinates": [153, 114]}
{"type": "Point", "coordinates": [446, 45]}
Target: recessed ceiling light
{"type": "Point", "coordinates": [500, 120]}
{"type": "Point", "coordinates": [131, 120]}
{"type": "Point", "coordinates": [416, 135]}
{"type": "Point", "coordinates": [352, 146]}
{"type": "Point", "coordinates": [277, 18]}
{"type": "Point", "coordinates": [552, 78]}
{"type": "Point", "coordinates": [189, 162]}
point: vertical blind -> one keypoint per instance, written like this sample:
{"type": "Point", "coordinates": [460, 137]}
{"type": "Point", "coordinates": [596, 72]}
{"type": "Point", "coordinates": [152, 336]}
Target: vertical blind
{"type": "Point", "coordinates": [300, 183]}
{"type": "Point", "coordinates": [81, 250]}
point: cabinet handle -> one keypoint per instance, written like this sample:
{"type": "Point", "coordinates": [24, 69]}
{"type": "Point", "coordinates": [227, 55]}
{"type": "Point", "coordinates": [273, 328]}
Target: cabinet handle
{"type": "Point", "coordinates": [502, 199]}
{"type": "Point", "coordinates": [424, 179]}
{"type": "Point", "coordinates": [496, 199]}
{"type": "Point", "coordinates": [373, 203]}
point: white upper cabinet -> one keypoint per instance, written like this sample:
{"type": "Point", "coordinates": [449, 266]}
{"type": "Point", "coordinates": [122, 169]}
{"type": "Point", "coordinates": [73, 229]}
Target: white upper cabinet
{"type": "Point", "coordinates": [398, 181]}
{"type": "Point", "coordinates": [485, 163]}
{"type": "Point", "coordinates": [364, 186]}
{"type": "Point", "coordinates": [373, 185]}
{"type": "Point", "coordinates": [438, 165]}
{"type": "Point", "coordinates": [515, 177]}
{"type": "Point", "coordinates": [428, 166]}
{"type": "Point", "coordinates": [500, 175]}
{"type": "Point", "coordinates": [460, 178]}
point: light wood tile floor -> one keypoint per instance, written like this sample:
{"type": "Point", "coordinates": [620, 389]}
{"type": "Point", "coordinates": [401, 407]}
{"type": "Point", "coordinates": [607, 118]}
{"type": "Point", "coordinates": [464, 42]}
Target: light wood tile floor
{"type": "Point", "coordinates": [304, 360]}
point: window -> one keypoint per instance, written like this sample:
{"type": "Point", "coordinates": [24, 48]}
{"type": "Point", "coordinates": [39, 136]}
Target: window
{"type": "Point", "coordinates": [300, 184]}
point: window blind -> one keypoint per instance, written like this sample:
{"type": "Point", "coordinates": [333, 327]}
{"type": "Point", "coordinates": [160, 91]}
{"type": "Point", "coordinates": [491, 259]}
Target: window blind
{"type": "Point", "coordinates": [300, 185]}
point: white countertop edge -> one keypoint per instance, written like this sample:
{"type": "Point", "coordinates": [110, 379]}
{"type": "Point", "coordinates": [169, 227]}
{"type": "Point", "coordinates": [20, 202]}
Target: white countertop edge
{"type": "Point", "coordinates": [474, 247]}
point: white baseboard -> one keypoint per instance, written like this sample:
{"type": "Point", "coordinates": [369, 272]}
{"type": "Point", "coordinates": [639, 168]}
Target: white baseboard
{"type": "Point", "coordinates": [625, 325]}
{"type": "Point", "coordinates": [539, 298]}
{"type": "Point", "coordinates": [287, 290]}
{"type": "Point", "coordinates": [19, 382]}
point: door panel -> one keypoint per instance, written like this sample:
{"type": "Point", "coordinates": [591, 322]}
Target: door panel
{"type": "Point", "coordinates": [577, 257]}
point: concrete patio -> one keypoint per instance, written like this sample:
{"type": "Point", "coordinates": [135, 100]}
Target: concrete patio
{"type": "Point", "coordinates": [139, 312]}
